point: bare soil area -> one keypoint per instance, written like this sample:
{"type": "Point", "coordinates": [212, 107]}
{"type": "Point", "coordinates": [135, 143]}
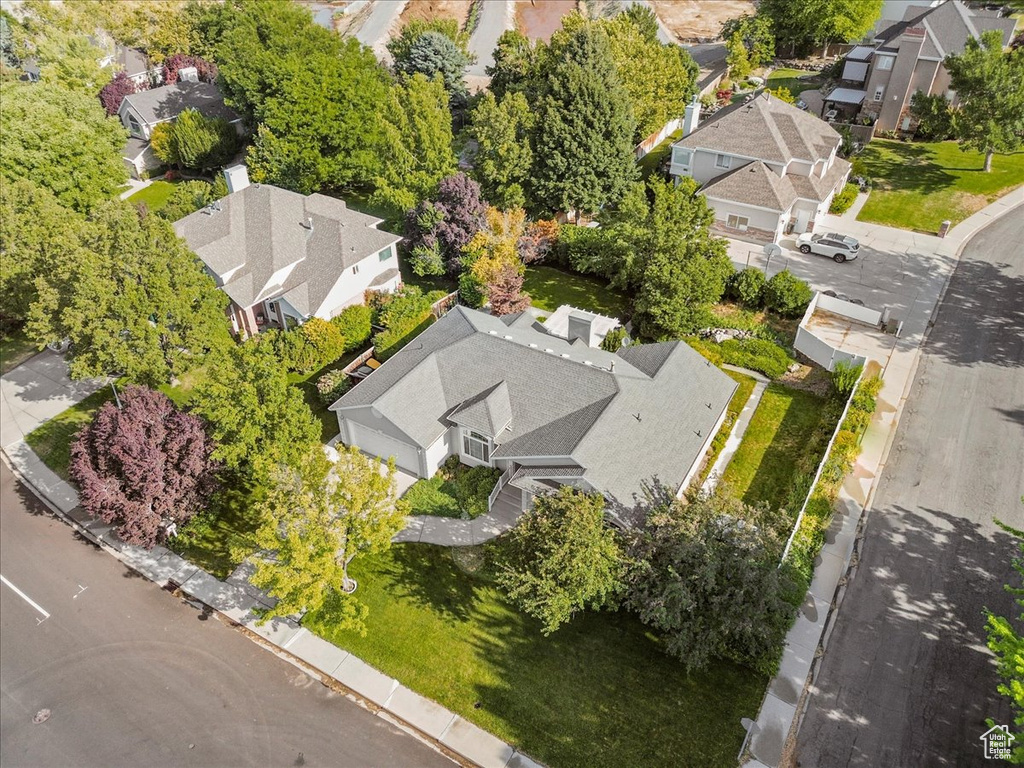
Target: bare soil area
{"type": "Point", "coordinates": [538, 19]}
{"type": "Point", "coordinates": [426, 10]}
{"type": "Point", "coordinates": [699, 20]}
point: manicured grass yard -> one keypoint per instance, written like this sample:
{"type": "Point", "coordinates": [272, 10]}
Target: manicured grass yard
{"type": "Point", "coordinates": [549, 288]}
{"type": "Point", "coordinates": [598, 692]}
{"type": "Point", "coordinates": [797, 80]}
{"type": "Point", "coordinates": [775, 446]}
{"type": "Point", "coordinates": [918, 185]}
{"type": "Point", "coordinates": [739, 399]}
{"type": "Point", "coordinates": [218, 540]}
{"type": "Point", "coordinates": [51, 440]}
{"type": "Point", "coordinates": [15, 349]}
{"type": "Point", "coordinates": [155, 196]}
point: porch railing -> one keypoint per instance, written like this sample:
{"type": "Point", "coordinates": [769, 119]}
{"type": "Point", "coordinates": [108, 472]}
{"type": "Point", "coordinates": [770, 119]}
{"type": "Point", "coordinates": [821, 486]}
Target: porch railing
{"type": "Point", "coordinates": [502, 481]}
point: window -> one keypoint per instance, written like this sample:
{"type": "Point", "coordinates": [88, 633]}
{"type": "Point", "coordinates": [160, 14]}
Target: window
{"type": "Point", "coordinates": [681, 156]}
{"type": "Point", "coordinates": [737, 222]}
{"type": "Point", "coordinates": [885, 62]}
{"type": "Point", "coordinates": [387, 253]}
{"type": "Point", "coordinates": [723, 161]}
{"type": "Point", "coordinates": [355, 270]}
{"type": "Point", "coordinates": [477, 446]}
{"type": "Point", "coordinates": [879, 92]}
{"type": "Point", "coordinates": [134, 126]}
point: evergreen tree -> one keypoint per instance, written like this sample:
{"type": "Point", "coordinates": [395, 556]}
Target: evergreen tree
{"type": "Point", "coordinates": [203, 143]}
{"type": "Point", "coordinates": [433, 53]}
{"type": "Point", "coordinates": [583, 151]}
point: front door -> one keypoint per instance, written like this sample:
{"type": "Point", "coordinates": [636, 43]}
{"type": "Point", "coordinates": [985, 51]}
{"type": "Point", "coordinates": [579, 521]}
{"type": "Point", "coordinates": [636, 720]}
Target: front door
{"type": "Point", "coordinates": [802, 217]}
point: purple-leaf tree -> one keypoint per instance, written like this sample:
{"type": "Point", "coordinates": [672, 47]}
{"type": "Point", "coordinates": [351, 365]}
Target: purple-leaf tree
{"type": "Point", "coordinates": [113, 93]}
{"type": "Point", "coordinates": [143, 466]}
{"type": "Point", "coordinates": [207, 71]}
{"type": "Point", "coordinates": [447, 223]}
{"type": "Point", "coordinates": [505, 294]}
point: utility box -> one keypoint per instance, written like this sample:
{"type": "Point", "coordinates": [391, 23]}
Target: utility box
{"type": "Point", "coordinates": [944, 227]}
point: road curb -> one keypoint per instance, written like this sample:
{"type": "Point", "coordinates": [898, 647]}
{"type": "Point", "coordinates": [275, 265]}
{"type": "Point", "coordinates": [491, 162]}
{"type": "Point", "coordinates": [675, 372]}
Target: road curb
{"type": "Point", "coordinates": [467, 745]}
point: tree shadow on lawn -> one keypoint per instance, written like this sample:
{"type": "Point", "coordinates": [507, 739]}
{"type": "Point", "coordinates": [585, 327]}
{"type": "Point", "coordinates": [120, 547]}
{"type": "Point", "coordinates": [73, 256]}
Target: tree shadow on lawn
{"type": "Point", "coordinates": [907, 168]}
{"type": "Point", "coordinates": [600, 692]}
{"type": "Point", "coordinates": [431, 582]}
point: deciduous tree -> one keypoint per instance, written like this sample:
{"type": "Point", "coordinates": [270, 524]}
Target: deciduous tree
{"type": "Point", "coordinates": [143, 465]}
{"type": "Point", "coordinates": [318, 517]}
{"type": "Point", "coordinates": [706, 575]}
{"type": "Point", "coordinates": [439, 229]}
{"type": "Point", "coordinates": [131, 299]}
{"type": "Point", "coordinates": [990, 87]}
{"type": "Point", "coordinates": [505, 292]}
{"type": "Point", "coordinates": [801, 24]}
{"type": "Point", "coordinates": [113, 93]}
{"type": "Point", "coordinates": [502, 131]}
{"type": "Point", "coordinates": [61, 140]}
{"type": "Point", "coordinates": [561, 558]}
{"type": "Point", "coordinates": [755, 34]}
{"type": "Point", "coordinates": [203, 143]}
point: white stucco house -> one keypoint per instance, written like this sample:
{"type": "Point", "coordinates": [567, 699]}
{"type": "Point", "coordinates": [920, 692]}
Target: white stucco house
{"type": "Point", "coordinates": [765, 166]}
{"type": "Point", "coordinates": [543, 405]}
{"type": "Point", "coordinates": [284, 258]}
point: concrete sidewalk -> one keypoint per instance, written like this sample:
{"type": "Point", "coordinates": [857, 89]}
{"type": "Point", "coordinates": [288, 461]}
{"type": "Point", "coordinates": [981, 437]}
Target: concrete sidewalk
{"type": "Point", "coordinates": [777, 721]}
{"type": "Point", "coordinates": [738, 430]}
{"type": "Point", "coordinates": [37, 391]}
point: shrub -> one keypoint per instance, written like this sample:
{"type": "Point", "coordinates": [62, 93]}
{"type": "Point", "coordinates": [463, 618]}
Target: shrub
{"type": "Point", "coordinates": [354, 325]}
{"type": "Point", "coordinates": [325, 338]}
{"type": "Point", "coordinates": [405, 314]}
{"type": "Point", "coordinates": [787, 294]}
{"type": "Point", "coordinates": [187, 197]}
{"type": "Point", "coordinates": [471, 290]}
{"type": "Point", "coordinates": [844, 378]}
{"type": "Point", "coordinates": [841, 203]}
{"type": "Point", "coordinates": [473, 487]}
{"type": "Point", "coordinates": [747, 287]}
{"type": "Point", "coordinates": [757, 355]}
{"type": "Point", "coordinates": [613, 341]}
{"type": "Point", "coordinates": [333, 385]}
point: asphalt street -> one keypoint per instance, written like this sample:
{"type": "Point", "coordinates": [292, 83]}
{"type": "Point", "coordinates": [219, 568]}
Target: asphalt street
{"type": "Point", "coordinates": [132, 676]}
{"type": "Point", "coordinates": [906, 679]}
{"type": "Point", "coordinates": [495, 18]}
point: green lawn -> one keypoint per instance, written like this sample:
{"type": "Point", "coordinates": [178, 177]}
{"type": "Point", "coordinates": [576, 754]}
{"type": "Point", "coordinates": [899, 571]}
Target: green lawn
{"type": "Point", "coordinates": [549, 288]}
{"type": "Point", "coordinates": [918, 185]}
{"type": "Point", "coordinates": [218, 540]}
{"type": "Point", "coordinates": [51, 440]}
{"type": "Point", "coordinates": [739, 399]}
{"type": "Point", "coordinates": [15, 349]}
{"type": "Point", "coordinates": [775, 447]}
{"type": "Point", "coordinates": [797, 80]}
{"type": "Point", "coordinates": [650, 162]}
{"type": "Point", "coordinates": [598, 692]}
{"type": "Point", "coordinates": [155, 196]}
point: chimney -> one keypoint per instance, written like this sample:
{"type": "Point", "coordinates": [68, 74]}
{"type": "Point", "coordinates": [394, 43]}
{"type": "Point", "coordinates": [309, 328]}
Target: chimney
{"type": "Point", "coordinates": [691, 117]}
{"type": "Point", "coordinates": [237, 177]}
{"type": "Point", "coordinates": [581, 326]}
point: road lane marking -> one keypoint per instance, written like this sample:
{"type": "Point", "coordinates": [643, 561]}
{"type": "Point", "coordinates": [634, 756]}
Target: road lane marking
{"type": "Point", "coordinates": [81, 589]}
{"type": "Point", "coordinates": [27, 599]}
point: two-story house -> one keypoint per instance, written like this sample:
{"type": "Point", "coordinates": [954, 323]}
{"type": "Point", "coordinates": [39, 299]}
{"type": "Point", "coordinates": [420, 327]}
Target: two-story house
{"type": "Point", "coordinates": [284, 258]}
{"type": "Point", "coordinates": [906, 56]}
{"type": "Point", "coordinates": [765, 166]}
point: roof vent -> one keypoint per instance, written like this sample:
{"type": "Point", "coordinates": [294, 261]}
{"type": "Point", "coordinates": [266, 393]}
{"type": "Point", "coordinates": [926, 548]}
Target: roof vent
{"type": "Point", "coordinates": [493, 333]}
{"type": "Point", "coordinates": [587, 362]}
{"type": "Point", "coordinates": [506, 336]}
{"type": "Point", "coordinates": [565, 356]}
{"type": "Point", "coordinates": [532, 345]}
{"type": "Point", "coordinates": [550, 351]}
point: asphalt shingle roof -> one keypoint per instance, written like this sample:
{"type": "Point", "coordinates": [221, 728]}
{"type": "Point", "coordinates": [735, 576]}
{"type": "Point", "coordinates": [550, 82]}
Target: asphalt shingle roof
{"type": "Point", "coordinates": [947, 27]}
{"type": "Point", "coordinates": [262, 230]}
{"type": "Point", "coordinates": [624, 418]}
{"type": "Point", "coordinates": [168, 101]}
{"type": "Point", "coordinates": [753, 184]}
{"type": "Point", "coordinates": [766, 128]}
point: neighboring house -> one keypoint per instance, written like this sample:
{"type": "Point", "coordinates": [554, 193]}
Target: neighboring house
{"type": "Point", "coordinates": [548, 411]}
{"type": "Point", "coordinates": [141, 112]}
{"type": "Point", "coordinates": [767, 168]}
{"type": "Point", "coordinates": [135, 64]}
{"type": "Point", "coordinates": [906, 56]}
{"type": "Point", "coordinates": [283, 257]}
{"type": "Point", "coordinates": [30, 71]}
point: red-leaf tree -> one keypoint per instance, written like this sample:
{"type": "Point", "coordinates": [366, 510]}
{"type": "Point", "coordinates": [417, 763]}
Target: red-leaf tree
{"type": "Point", "coordinates": [143, 465]}
{"type": "Point", "coordinates": [113, 93]}
{"type": "Point", "coordinates": [506, 292]}
{"type": "Point", "coordinates": [207, 71]}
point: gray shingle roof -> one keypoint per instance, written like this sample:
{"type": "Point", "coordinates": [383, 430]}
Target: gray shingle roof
{"type": "Point", "coordinates": [261, 230]}
{"type": "Point", "coordinates": [753, 184]}
{"type": "Point", "coordinates": [814, 188]}
{"type": "Point", "coordinates": [947, 27]}
{"type": "Point", "coordinates": [169, 101]}
{"type": "Point", "coordinates": [563, 400]}
{"type": "Point", "coordinates": [766, 128]}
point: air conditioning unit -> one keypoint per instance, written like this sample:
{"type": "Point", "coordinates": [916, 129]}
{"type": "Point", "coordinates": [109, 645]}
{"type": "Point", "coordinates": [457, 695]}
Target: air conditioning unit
{"type": "Point", "coordinates": [188, 75]}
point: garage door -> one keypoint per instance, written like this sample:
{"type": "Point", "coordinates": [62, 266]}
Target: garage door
{"type": "Point", "coordinates": [406, 456]}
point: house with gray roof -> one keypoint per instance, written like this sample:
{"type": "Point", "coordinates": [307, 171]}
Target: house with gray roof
{"type": "Point", "coordinates": [284, 258]}
{"type": "Point", "coordinates": [765, 166]}
{"type": "Point", "coordinates": [547, 410]}
{"type": "Point", "coordinates": [905, 56]}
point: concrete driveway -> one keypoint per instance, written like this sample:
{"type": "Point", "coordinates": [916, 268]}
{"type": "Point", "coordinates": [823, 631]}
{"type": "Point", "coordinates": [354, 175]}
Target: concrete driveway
{"type": "Point", "coordinates": [897, 268]}
{"type": "Point", "coordinates": [36, 391]}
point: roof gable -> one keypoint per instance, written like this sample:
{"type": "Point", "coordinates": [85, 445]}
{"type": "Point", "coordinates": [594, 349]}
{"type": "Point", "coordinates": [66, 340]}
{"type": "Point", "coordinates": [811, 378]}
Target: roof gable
{"type": "Point", "coordinates": [489, 412]}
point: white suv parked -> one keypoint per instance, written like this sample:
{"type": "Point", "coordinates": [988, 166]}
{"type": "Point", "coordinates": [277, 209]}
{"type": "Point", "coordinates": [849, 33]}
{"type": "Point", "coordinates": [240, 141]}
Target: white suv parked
{"type": "Point", "coordinates": [839, 248]}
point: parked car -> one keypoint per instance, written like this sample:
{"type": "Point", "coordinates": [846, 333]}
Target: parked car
{"type": "Point", "coordinates": [838, 247]}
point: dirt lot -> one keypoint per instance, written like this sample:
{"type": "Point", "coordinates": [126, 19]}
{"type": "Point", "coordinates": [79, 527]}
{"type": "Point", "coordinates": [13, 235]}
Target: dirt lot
{"type": "Point", "coordinates": [537, 19]}
{"type": "Point", "coordinates": [433, 9]}
{"type": "Point", "coordinates": [697, 20]}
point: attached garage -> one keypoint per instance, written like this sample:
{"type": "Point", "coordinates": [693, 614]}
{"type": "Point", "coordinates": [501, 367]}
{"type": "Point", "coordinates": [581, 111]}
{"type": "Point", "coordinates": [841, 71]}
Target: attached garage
{"type": "Point", "coordinates": [407, 456]}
